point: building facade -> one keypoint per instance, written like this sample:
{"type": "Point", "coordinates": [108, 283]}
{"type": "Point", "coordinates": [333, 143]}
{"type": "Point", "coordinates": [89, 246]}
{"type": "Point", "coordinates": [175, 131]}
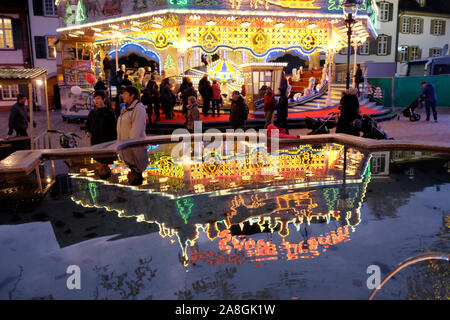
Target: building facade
{"type": "Point", "coordinates": [424, 30]}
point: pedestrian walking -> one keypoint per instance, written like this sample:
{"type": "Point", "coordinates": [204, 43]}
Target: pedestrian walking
{"type": "Point", "coordinates": [18, 117]}
{"type": "Point", "coordinates": [359, 78]}
{"type": "Point", "coordinates": [132, 119]}
{"type": "Point", "coordinates": [192, 113]}
{"type": "Point", "coordinates": [239, 111]}
{"type": "Point", "coordinates": [205, 89]}
{"type": "Point", "coordinates": [270, 106]}
{"type": "Point", "coordinates": [101, 122]}
{"type": "Point", "coordinates": [216, 98]}
{"type": "Point", "coordinates": [282, 110]}
{"type": "Point", "coordinates": [429, 96]}
{"type": "Point", "coordinates": [107, 69]}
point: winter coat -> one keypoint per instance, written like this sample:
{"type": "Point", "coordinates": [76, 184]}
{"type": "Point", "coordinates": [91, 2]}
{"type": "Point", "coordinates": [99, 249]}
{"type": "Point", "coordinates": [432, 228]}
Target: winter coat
{"type": "Point", "coordinates": [270, 104]}
{"type": "Point", "coordinates": [18, 118]}
{"type": "Point", "coordinates": [166, 94]}
{"type": "Point", "coordinates": [106, 64]}
{"type": "Point", "coordinates": [238, 114]}
{"type": "Point", "coordinates": [188, 92]}
{"type": "Point", "coordinates": [101, 124]}
{"type": "Point", "coordinates": [205, 89]}
{"type": "Point", "coordinates": [132, 121]}
{"type": "Point", "coordinates": [359, 76]}
{"type": "Point", "coordinates": [282, 108]}
{"type": "Point", "coordinates": [216, 91]}
{"type": "Point", "coordinates": [192, 115]}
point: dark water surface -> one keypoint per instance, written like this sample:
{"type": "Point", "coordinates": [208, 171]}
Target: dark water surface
{"type": "Point", "coordinates": [249, 226]}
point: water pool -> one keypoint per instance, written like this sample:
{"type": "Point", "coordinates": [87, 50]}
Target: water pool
{"type": "Point", "coordinates": [251, 225]}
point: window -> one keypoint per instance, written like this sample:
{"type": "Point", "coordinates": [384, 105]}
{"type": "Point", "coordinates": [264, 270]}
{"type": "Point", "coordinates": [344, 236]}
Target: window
{"type": "Point", "coordinates": [384, 11]}
{"type": "Point", "coordinates": [403, 54]}
{"type": "Point", "coordinates": [437, 27]}
{"type": "Point", "coordinates": [9, 92]}
{"type": "Point", "coordinates": [364, 48]}
{"type": "Point", "coordinates": [50, 9]}
{"type": "Point", "coordinates": [435, 52]}
{"type": "Point", "coordinates": [51, 47]}
{"type": "Point", "coordinates": [378, 163]}
{"type": "Point", "coordinates": [382, 45]}
{"type": "Point", "coordinates": [6, 35]}
{"type": "Point", "coordinates": [415, 53]}
{"type": "Point", "coordinates": [416, 25]}
{"type": "Point", "coordinates": [406, 25]}
{"type": "Point", "coordinates": [343, 51]}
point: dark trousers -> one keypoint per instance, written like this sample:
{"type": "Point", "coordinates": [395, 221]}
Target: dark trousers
{"type": "Point", "coordinates": [282, 123]}
{"type": "Point", "coordinates": [431, 105]}
{"type": "Point", "coordinates": [357, 87]}
{"type": "Point", "coordinates": [215, 105]}
{"type": "Point", "coordinates": [21, 133]}
{"type": "Point", "coordinates": [205, 107]}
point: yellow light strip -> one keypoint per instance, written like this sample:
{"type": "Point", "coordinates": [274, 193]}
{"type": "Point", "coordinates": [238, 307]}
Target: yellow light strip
{"type": "Point", "coordinates": [214, 12]}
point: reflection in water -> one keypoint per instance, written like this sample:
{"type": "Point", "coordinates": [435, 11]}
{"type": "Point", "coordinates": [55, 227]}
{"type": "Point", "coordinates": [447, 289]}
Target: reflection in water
{"type": "Point", "coordinates": [270, 192]}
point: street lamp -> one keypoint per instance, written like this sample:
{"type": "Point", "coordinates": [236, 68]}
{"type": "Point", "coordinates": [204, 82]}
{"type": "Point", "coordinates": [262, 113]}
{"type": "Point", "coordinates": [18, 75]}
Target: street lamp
{"type": "Point", "coordinates": [350, 8]}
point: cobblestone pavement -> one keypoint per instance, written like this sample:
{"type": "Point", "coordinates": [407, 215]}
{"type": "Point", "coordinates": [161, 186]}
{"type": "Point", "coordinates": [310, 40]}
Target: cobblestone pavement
{"type": "Point", "coordinates": [402, 129]}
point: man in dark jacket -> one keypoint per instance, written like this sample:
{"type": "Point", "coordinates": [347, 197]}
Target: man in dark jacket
{"type": "Point", "coordinates": [189, 91]}
{"type": "Point", "coordinates": [101, 122]}
{"type": "Point", "coordinates": [349, 112]}
{"type": "Point", "coordinates": [18, 117]}
{"type": "Point", "coordinates": [238, 113]}
{"type": "Point", "coordinates": [205, 89]}
{"type": "Point", "coordinates": [359, 78]}
{"type": "Point", "coordinates": [282, 110]}
{"type": "Point", "coordinates": [167, 98]}
{"type": "Point", "coordinates": [107, 68]}
{"type": "Point", "coordinates": [429, 95]}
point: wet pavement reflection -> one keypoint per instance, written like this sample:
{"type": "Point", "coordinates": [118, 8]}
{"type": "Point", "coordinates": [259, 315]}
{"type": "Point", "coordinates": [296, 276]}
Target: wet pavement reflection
{"type": "Point", "coordinates": [303, 222]}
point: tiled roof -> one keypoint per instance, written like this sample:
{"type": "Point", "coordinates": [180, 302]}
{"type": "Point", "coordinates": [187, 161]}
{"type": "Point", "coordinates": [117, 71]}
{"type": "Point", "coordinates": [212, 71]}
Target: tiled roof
{"type": "Point", "coordinates": [431, 6]}
{"type": "Point", "coordinates": [20, 74]}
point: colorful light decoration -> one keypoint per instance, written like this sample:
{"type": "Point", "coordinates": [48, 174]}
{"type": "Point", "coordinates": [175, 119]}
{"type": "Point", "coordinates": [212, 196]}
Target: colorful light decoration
{"type": "Point", "coordinates": [224, 71]}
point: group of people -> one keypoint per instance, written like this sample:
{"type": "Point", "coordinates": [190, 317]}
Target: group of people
{"type": "Point", "coordinates": [271, 105]}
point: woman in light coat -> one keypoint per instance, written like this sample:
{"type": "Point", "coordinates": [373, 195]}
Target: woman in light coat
{"type": "Point", "coordinates": [132, 120]}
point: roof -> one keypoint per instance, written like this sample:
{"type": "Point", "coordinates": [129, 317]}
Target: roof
{"type": "Point", "coordinates": [20, 75]}
{"type": "Point", "coordinates": [431, 6]}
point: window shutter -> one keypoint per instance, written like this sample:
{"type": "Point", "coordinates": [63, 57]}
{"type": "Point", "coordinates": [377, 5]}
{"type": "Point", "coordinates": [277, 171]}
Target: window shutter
{"type": "Point", "coordinates": [41, 49]}
{"type": "Point", "coordinates": [389, 45]}
{"type": "Point", "coordinates": [38, 7]}
{"type": "Point", "coordinates": [421, 26]}
{"type": "Point", "coordinates": [402, 22]}
{"type": "Point", "coordinates": [378, 5]}
{"type": "Point", "coordinates": [391, 11]}
{"type": "Point", "coordinates": [443, 27]}
{"type": "Point", "coordinates": [432, 26]}
{"type": "Point", "coordinates": [17, 33]}
{"type": "Point", "coordinates": [373, 47]}
{"type": "Point", "coordinates": [419, 54]}
{"type": "Point", "coordinates": [410, 57]}
{"type": "Point", "coordinates": [430, 52]}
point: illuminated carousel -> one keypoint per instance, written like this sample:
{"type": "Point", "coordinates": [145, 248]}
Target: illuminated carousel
{"type": "Point", "coordinates": [172, 35]}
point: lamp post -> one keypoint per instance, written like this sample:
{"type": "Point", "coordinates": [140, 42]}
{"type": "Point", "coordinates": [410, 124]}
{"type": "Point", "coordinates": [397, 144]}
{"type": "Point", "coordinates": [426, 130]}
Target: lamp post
{"type": "Point", "coordinates": [349, 7]}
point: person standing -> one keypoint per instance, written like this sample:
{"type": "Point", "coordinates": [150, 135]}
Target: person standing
{"type": "Point", "coordinates": [205, 89]}
{"type": "Point", "coordinates": [282, 110]}
{"type": "Point", "coordinates": [429, 95]}
{"type": "Point", "coordinates": [215, 98]}
{"type": "Point", "coordinates": [18, 117]}
{"type": "Point", "coordinates": [132, 120]}
{"type": "Point", "coordinates": [121, 74]}
{"type": "Point", "coordinates": [238, 113]}
{"type": "Point", "coordinates": [188, 92]}
{"type": "Point", "coordinates": [192, 113]}
{"type": "Point", "coordinates": [101, 122]}
{"type": "Point", "coordinates": [349, 112]}
{"type": "Point", "coordinates": [100, 84]}
{"type": "Point", "coordinates": [269, 106]}
{"type": "Point", "coordinates": [167, 98]}
{"type": "Point", "coordinates": [359, 78]}
{"type": "Point", "coordinates": [107, 69]}
{"type": "Point", "coordinates": [183, 86]}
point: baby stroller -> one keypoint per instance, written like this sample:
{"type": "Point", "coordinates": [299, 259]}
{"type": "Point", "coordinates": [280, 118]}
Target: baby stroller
{"type": "Point", "coordinates": [409, 112]}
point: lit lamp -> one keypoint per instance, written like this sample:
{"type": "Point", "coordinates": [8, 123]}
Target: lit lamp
{"type": "Point", "coordinates": [350, 8]}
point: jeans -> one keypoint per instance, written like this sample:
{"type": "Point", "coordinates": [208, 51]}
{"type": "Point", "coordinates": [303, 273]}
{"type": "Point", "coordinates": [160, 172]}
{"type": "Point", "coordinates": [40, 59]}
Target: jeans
{"type": "Point", "coordinates": [216, 104]}
{"type": "Point", "coordinates": [431, 105]}
{"type": "Point", "coordinates": [107, 76]}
